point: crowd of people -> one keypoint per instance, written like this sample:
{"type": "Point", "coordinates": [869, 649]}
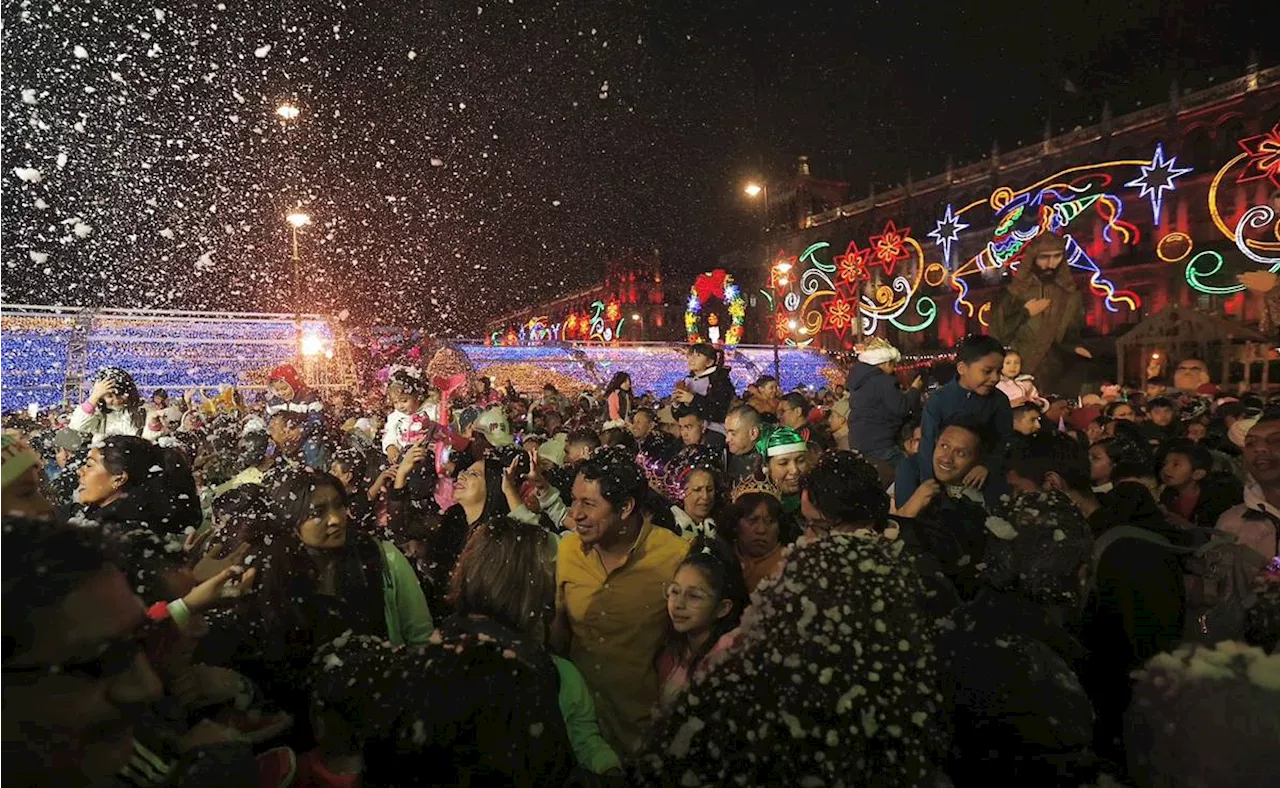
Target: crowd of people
{"type": "Point", "coordinates": [435, 582]}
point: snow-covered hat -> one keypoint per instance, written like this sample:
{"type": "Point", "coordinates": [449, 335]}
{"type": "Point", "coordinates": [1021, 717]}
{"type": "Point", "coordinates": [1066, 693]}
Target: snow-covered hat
{"type": "Point", "coordinates": [878, 351]}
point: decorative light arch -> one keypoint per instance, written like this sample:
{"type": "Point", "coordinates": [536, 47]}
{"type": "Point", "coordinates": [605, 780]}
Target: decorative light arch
{"type": "Point", "coordinates": [719, 284]}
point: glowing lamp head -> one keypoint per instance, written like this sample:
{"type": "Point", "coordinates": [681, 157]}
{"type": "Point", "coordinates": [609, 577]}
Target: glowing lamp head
{"type": "Point", "coordinates": [288, 111]}
{"type": "Point", "coordinates": [753, 190]}
{"type": "Point", "coordinates": [635, 315]}
{"type": "Point", "coordinates": [312, 345]}
{"type": "Point", "coordinates": [298, 220]}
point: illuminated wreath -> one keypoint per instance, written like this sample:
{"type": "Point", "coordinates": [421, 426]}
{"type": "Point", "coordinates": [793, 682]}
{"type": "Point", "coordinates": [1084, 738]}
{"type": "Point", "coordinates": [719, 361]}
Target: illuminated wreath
{"type": "Point", "coordinates": [718, 283]}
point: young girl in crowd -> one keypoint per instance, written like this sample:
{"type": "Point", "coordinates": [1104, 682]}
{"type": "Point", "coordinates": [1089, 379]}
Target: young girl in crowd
{"type": "Point", "coordinates": [114, 407]}
{"type": "Point", "coordinates": [410, 420]}
{"type": "Point", "coordinates": [705, 601]}
{"type": "Point", "coordinates": [1019, 388]}
{"type": "Point", "coordinates": [618, 397]}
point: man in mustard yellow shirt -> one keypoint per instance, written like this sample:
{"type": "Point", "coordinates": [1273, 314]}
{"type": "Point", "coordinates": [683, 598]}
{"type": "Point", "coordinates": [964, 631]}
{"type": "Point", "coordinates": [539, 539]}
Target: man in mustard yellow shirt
{"type": "Point", "coordinates": [611, 610]}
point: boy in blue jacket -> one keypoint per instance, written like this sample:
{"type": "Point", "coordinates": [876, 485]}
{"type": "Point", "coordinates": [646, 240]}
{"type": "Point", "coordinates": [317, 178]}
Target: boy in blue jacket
{"type": "Point", "coordinates": [972, 397]}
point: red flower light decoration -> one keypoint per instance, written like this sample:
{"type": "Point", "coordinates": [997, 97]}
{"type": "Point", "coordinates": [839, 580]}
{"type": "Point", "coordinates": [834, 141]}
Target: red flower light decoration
{"type": "Point", "coordinates": [889, 247]}
{"type": "Point", "coordinates": [1264, 157]}
{"type": "Point", "coordinates": [840, 315]}
{"type": "Point", "coordinates": [852, 265]}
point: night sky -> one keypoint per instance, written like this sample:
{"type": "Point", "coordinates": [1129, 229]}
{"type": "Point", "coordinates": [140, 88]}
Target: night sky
{"type": "Point", "coordinates": [464, 159]}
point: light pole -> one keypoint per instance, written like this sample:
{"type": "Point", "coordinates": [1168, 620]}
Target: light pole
{"type": "Point", "coordinates": [297, 220]}
{"type": "Point", "coordinates": [760, 191]}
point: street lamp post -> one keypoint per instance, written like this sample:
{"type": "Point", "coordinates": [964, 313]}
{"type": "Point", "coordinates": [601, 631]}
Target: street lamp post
{"type": "Point", "coordinates": [297, 220]}
{"type": "Point", "coordinates": [761, 191]}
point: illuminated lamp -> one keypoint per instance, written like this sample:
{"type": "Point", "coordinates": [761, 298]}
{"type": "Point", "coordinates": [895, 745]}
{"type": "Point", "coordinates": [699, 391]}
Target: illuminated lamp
{"type": "Point", "coordinates": [312, 345]}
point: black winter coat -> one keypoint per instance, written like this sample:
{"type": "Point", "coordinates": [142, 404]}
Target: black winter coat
{"type": "Point", "coordinates": [1018, 710]}
{"type": "Point", "coordinates": [877, 410]}
{"type": "Point", "coordinates": [1136, 607]}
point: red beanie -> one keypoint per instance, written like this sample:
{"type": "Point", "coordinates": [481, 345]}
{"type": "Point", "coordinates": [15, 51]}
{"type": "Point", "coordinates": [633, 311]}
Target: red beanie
{"type": "Point", "coordinates": [288, 374]}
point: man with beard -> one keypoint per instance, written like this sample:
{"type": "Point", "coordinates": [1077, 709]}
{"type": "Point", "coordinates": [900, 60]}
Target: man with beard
{"type": "Point", "coordinates": [1041, 315]}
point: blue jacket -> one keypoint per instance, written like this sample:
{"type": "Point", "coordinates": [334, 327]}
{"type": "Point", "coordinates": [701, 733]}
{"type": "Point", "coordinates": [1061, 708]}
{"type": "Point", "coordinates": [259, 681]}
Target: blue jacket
{"type": "Point", "coordinates": [877, 410]}
{"type": "Point", "coordinates": [951, 404]}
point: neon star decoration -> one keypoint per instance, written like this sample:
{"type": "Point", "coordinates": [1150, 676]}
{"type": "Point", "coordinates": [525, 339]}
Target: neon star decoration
{"type": "Point", "coordinates": [1157, 178]}
{"type": "Point", "coordinates": [889, 247]}
{"type": "Point", "coordinates": [947, 232]}
{"type": "Point", "coordinates": [1264, 157]}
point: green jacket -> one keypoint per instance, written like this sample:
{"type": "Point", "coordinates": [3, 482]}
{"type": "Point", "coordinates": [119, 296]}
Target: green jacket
{"type": "Point", "coordinates": [593, 753]}
{"type": "Point", "coordinates": [408, 618]}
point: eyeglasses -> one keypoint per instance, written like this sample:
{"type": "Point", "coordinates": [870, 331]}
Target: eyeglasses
{"type": "Point", "coordinates": [693, 597]}
{"type": "Point", "coordinates": [821, 527]}
{"type": "Point", "coordinates": [113, 657]}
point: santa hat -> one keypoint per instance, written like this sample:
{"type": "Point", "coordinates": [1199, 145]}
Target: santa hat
{"type": "Point", "coordinates": [288, 374]}
{"type": "Point", "coordinates": [779, 441]}
{"type": "Point", "coordinates": [878, 351]}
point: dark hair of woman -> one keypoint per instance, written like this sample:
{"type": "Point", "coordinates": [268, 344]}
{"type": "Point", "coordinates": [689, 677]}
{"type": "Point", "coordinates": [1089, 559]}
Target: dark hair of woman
{"type": "Point", "coordinates": [617, 436]}
{"type": "Point", "coordinates": [125, 387]}
{"type": "Point", "coordinates": [290, 573]}
{"type": "Point", "coordinates": [741, 509]}
{"type": "Point", "coordinates": [717, 564]}
{"type": "Point", "coordinates": [241, 515]}
{"type": "Point", "coordinates": [143, 495]}
{"type": "Point", "coordinates": [506, 572]}
{"type": "Point", "coordinates": [615, 383]}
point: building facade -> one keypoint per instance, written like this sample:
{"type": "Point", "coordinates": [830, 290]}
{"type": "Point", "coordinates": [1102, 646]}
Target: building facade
{"type": "Point", "coordinates": [629, 305]}
{"type": "Point", "coordinates": [1165, 206]}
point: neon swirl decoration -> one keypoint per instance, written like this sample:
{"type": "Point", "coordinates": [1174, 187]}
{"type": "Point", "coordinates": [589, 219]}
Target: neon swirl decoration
{"type": "Point", "coordinates": [1195, 275]}
{"type": "Point", "coordinates": [886, 279]}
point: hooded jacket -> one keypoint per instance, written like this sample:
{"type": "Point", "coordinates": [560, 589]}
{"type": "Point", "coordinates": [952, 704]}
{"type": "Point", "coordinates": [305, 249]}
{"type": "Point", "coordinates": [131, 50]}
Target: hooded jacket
{"type": "Point", "coordinates": [877, 410]}
{"type": "Point", "coordinates": [1255, 523]}
{"type": "Point", "coordinates": [712, 393]}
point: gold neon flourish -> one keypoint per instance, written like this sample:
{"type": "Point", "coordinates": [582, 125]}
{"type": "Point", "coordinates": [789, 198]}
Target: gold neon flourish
{"type": "Point", "coordinates": [1068, 171]}
{"type": "Point", "coordinates": [1170, 238]}
{"type": "Point", "coordinates": [1257, 246]}
{"type": "Point", "coordinates": [885, 301]}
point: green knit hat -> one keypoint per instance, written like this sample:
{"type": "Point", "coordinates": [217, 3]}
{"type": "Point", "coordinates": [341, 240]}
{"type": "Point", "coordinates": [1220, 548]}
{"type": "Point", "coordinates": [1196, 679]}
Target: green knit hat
{"type": "Point", "coordinates": [15, 458]}
{"type": "Point", "coordinates": [777, 441]}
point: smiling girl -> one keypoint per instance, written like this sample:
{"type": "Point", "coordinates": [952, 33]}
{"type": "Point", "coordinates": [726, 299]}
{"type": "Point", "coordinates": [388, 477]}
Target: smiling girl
{"type": "Point", "coordinates": [705, 601]}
